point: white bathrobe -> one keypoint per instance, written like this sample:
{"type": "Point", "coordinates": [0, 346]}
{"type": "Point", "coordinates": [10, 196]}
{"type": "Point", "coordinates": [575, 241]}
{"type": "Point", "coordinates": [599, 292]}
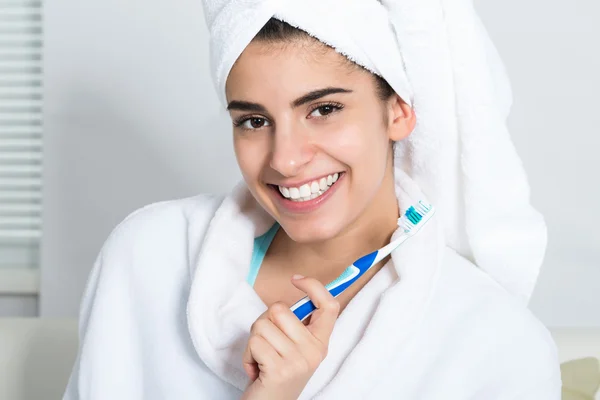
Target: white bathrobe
{"type": "Point", "coordinates": [167, 313]}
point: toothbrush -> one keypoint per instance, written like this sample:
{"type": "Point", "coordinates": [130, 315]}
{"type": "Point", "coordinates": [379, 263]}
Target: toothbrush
{"type": "Point", "coordinates": [414, 218]}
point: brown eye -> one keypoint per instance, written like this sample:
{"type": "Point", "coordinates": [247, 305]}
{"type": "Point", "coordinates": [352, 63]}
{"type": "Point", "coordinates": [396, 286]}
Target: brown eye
{"type": "Point", "coordinates": [257, 122]}
{"type": "Point", "coordinates": [325, 110]}
{"type": "Point", "coordinates": [254, 123]}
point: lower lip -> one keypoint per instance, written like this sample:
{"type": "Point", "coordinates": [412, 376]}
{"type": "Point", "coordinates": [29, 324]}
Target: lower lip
{"type": "Point", "coordinates": [306, 206]}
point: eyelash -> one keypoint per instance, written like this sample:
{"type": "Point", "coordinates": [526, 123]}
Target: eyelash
{"type": "Point", "coordinates": [336, 106]}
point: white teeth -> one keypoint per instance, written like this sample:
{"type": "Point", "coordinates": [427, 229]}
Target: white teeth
{"type": "Point", "coordinates": [305, 191]}
{"type": "Point", "coordinates": [285, 192]}
{"type": "Point", "coordinates": [294, 193]}
{"type": "Point", "coordinates": [323, 184]}
{"type": "Point", "coordinates": [314, 187]}
{"type": "Point", "coordinates": [310, 190]}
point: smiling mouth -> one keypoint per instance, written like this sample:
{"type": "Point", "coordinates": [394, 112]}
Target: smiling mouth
{"type": "Point", "coordinates": [308, 191]}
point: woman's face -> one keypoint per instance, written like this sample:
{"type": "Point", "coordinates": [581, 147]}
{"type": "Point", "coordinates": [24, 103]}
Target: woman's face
{"type": "Point", "coordinates": [311, 136]}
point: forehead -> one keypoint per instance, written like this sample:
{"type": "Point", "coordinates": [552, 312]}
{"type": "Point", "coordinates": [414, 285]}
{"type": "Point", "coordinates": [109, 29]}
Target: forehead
{"type": "Point", "coordinates": [291, 68]}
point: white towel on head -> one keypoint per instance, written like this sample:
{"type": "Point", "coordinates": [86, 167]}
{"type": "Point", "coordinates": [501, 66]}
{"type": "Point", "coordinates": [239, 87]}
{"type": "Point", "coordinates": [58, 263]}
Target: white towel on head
{"type": "Point", "coordinates": [461, 152]}
{"type": "Point", "coordinates": [340, 24]}
{"type": "Point", "coordinates": [439, 58]}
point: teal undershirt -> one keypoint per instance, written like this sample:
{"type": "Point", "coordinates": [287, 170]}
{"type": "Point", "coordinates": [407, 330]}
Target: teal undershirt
{"type": "Point", "coordinates": [261, 245]}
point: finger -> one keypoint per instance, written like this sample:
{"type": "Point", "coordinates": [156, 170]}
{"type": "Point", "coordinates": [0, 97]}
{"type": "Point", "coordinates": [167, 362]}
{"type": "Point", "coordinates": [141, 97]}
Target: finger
{"type": "Point", "coordinates": [252, 371]}
{"type": "Point", "coordinates": [259, 351]}
{"type": "Point", "coordinates": [266, 328]}
{"type": "Point", "coordinates": [307, 346]}
{"type": "Point", "coordinates": [249, 364]}
{"type": "Point", "coordinates": [328, 307]}
{"type": "Point", "coordinates": [287, 322]}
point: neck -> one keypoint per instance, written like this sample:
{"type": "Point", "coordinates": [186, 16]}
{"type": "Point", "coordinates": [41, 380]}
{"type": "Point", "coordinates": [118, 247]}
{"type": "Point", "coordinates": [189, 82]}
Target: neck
{"type": "Point", "coordinates": [325, 260]}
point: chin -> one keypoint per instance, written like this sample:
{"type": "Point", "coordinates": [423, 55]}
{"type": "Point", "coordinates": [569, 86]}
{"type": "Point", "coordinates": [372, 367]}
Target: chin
{"type": "Point", "coordinates": [307, 232]}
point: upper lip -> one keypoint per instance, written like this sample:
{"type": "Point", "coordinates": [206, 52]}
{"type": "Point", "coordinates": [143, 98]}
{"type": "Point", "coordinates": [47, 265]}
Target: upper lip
{"type": "Point", "coordinates": [300, 183]}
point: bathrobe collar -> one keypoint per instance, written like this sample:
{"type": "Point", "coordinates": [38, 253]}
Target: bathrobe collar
{"type": "Point", "coordinates": [370, 331]}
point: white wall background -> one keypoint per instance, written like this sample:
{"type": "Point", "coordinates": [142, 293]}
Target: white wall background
{"type": "Point", "coordinates": [550, 49]}
{"type": "Point", "coordinates": [131, 118]}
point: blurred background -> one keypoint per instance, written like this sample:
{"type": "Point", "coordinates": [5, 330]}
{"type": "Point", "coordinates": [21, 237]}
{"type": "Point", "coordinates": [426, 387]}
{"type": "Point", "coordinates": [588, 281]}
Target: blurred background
{"type": "Point", "coordinates": [108, 105]}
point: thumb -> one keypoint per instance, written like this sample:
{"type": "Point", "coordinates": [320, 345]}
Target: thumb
{"type": "Point", "coordinates": [327, 310]}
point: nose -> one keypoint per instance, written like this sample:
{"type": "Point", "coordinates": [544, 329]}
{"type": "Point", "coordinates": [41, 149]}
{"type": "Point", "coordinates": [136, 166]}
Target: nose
{"type": "Point", "coordinates": [291, 150]}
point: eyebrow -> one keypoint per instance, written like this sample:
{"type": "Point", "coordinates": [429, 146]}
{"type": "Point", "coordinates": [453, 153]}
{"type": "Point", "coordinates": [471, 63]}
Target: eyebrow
{"type": "Point", "coordinates": [307, 98]}
{"type": "Point", "coordinates": [317, 94]}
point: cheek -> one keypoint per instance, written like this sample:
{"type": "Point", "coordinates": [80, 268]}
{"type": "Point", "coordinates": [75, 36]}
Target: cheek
{"type": "Point", "coordinates": [250, 155]}
{"type": "Point", "coordinates": [356, 145]}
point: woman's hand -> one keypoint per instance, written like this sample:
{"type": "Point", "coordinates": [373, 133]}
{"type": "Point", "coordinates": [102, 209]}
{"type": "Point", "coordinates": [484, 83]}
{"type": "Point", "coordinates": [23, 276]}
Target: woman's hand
{"type": "Point", "coordinates": [283, 353]}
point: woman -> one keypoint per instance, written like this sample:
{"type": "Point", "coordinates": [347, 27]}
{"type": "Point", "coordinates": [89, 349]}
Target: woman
{"type": "Point", "coordinates": [190, 298]}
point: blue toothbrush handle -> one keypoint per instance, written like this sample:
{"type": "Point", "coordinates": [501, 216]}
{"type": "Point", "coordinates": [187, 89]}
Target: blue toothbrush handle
{"type": "Point", "coordinates": [305, 310]}
{"type": "Point", "coordinates": [304, 307]}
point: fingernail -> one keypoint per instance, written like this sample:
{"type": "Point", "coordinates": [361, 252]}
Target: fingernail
{"type": "Point", "coordinates": [297, 276]}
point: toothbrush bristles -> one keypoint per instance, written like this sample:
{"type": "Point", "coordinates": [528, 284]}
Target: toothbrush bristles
{"type": "Point", "coordinates": [414, 215]}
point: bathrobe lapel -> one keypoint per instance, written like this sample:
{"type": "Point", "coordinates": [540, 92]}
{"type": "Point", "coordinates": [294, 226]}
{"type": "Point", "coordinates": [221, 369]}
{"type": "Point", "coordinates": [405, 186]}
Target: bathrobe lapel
{"type": "Point", "coordinates": [369, 332]}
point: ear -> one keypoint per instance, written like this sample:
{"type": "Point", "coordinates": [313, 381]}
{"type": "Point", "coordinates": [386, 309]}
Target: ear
{"type": "Point", "coordinates": [401, 118]}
